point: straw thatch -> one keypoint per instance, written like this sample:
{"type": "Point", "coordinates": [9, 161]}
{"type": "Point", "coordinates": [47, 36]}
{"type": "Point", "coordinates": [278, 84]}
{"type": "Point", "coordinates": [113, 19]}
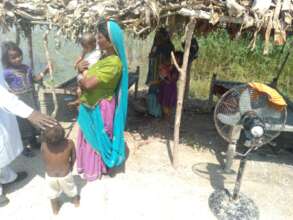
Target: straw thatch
{"type": "Point", "coordinates": [73, 17]}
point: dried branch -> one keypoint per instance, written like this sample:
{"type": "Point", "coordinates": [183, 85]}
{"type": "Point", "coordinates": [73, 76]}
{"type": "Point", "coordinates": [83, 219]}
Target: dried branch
{"type": "Point", "coordinates": [72, 18]}
{"type": "Point", "coordinates": [181, 88]}
{"type": "Point", "coordinates": [138, 33]}
{"type": "Point", "coordinates": [175, 62]}
{"type": "Point", "coordinates": [268, 34]}
{"type": "Point", "coordinates": [280, 36]}
{"type": "Point", "coordinates": [49, 61]}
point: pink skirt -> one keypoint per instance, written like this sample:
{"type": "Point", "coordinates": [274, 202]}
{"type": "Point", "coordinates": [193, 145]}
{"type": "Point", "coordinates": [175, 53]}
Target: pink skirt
{"type": "Point", "coordinates": [89, 161]}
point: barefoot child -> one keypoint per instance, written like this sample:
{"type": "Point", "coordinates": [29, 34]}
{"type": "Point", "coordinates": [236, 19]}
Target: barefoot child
{"type": "Point", "coordinates": [20, 81]}
{"type": "Point", "coordinates": [90, 53]}
{"type": "Point", "coordinates": [58, 154]}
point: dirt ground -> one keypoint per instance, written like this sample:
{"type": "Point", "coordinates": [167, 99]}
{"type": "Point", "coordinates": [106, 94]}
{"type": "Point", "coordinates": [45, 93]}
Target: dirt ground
{"type": "Point", "coordinates": [150, 189]}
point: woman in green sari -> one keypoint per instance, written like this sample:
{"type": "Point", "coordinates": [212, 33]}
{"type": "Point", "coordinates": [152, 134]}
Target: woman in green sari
{"type": "Point", "coordinates": [102, 113]}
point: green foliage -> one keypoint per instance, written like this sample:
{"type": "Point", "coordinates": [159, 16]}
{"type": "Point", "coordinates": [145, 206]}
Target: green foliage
{"type": "Point", "coordinates": [233, 60]}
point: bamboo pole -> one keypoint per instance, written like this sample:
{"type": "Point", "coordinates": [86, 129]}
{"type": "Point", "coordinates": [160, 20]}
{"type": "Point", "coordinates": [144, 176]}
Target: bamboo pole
{"type": "Point", "coordinates": [52, 87]}
{"type": "Point", "coordinates": [17, 35]}
{"type": "Point", "coordinates": [181, 87]}
{"type": "Point", "coordinates": [30, 47]}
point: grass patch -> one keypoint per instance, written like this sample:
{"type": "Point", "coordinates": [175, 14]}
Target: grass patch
{"type": "Point", "coordinates": [232, 60]}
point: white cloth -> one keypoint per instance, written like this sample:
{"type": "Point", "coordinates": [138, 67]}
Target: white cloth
{"type": "Point", "coordinates": [57, 185]}
{"type": "Point", "coordinates": [93, 57]}
{"type": "Point", "coordinates": [10, 140]}
{"type": "Point", "coordinates": [7, 175]}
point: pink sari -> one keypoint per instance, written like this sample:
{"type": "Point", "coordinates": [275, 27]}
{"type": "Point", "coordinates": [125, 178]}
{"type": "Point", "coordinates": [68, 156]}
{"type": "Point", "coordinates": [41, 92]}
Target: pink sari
{"type": "Point", "coordinates": [89, 162]}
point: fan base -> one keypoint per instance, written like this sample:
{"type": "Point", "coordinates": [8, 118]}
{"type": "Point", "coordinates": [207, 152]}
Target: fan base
{"type": "Point", "coordinates": [225, 208]}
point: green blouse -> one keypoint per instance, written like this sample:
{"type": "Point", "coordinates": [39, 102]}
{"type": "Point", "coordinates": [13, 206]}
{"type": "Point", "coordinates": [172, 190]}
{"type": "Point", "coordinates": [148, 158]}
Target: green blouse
{"type": "Point", "coordinates": [108, 72]}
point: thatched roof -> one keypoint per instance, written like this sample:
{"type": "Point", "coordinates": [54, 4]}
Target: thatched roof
{"type": "Point", "coordinates": [73, 17]}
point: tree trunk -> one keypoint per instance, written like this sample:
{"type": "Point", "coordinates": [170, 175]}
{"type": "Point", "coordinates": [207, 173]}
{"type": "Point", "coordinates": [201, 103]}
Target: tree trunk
{"type": "Point", "coordinates": [181, 88]}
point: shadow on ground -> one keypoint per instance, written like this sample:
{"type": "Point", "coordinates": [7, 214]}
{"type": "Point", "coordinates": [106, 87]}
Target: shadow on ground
{"type": "Point", "coordinates": [198, 131]}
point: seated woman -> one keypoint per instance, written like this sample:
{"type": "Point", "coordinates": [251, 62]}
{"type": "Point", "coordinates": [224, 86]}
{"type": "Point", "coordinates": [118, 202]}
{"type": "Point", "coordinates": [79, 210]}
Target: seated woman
{"type": "Point", "coordinates": [103, 109]}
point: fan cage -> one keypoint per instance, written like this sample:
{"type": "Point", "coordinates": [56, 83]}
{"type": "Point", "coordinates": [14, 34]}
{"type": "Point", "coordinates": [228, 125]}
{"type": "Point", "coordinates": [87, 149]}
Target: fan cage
{"type": "Point", "coordinates": [229, 105]}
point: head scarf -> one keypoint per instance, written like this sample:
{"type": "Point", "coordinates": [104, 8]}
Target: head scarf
{"type": "Point", "coordinates": [91, 121]}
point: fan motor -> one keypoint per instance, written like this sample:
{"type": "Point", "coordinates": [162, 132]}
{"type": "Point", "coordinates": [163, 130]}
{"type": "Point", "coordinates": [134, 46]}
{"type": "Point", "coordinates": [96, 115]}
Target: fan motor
{"type": "Point", "coordinates": [253, 125]}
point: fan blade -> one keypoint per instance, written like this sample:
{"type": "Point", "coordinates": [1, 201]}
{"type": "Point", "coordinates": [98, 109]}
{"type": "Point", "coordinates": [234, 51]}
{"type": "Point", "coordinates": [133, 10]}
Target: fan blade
{"type": "Point", "coordinates": [274, 127]}
{"type": "Point", "coordinates": [229, 119]}
{"type": "Point", "coordinates": [244, 101]}
{"type": "Point", "coordinates": [268, 112]}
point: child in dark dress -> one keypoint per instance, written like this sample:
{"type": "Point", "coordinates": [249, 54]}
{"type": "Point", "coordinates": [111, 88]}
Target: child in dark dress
{"type": "Point", "coordinates": [168, 85]}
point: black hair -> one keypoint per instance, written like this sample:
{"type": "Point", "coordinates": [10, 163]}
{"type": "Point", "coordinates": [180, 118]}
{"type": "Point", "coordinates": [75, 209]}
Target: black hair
{"type": "Point", "coordinates": [103, 28]}
{"type": "Point", "coordinates": [5, 48]}
{"type": "Point", "coordinates": [54, 136]}
{"type": "Point", "coordinates": [163, 34]}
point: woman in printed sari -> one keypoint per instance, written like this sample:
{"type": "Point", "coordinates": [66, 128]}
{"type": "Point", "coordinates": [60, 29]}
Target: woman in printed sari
{"type": "Point", "coordinates": [103, 109]}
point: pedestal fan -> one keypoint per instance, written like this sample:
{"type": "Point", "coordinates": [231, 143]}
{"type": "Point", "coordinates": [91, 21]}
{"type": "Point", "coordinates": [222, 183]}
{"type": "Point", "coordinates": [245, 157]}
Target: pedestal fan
{"type": "Point", "coordinates": [251, 115]}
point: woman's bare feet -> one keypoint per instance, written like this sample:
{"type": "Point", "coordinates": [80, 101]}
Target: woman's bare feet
{"type": "Point", "coordinates": [55, 206]}
{"type": "Point", "coordinates": [76, 201]}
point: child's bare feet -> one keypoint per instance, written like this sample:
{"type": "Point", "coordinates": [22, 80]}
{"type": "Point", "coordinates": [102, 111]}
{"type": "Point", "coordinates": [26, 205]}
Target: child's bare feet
{"type": "Point", "coordinates": [55, 206]}
{"type": "Point", "coordinates": [76, 200]}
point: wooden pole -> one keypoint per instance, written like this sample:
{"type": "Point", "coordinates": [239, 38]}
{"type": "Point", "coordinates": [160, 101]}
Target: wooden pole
{"type": "Point", "coordinates": [30, 47]}
{"type": "Point", "coordinates": [211, 94]}
{"type": "Point", "coordinates": [181, 87]}
{"type": "Point", "coordinates": [187, 88]}
{"type": "Point", "coordinates": [55, 101]}
{"type": "Point", "coordinates": [17, 35]}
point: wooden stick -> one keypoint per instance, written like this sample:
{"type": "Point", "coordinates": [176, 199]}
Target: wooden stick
{"type": "Point", "coordinates": [49, 61]}
{"type": "Point", "coordinates": [201, 14]}
{"type": "Point", "coordinates": [30, 48]}
{"type": "Point", "coordinates": [279, 31]}
{"type": "Point", "coordinates": [29, 17]}
{"type": "Point", "coordinates": [148, 16]}
{"type": "Point", "coordinates": [187, 88]}
{"type": "Point", "coordinates": [268, 35]}
{"type": "Point", "coordinates": [181, 88]}
{"type": "Point", "coordinates": [17, 34]}
{"type": "Point", "coordinates": [142, 30]}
